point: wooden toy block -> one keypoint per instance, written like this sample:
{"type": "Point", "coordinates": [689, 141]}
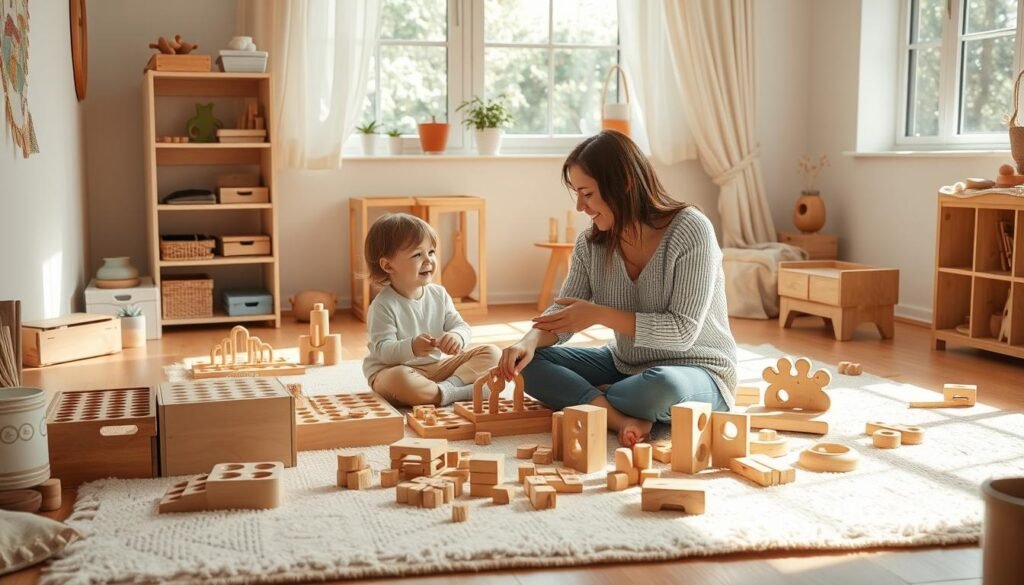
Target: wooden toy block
{"type": "Point", "coordinates": [730, 438]}
{"type": "Point", "coordinates": [503, 494]}
{"type": "Point", "coordinates": [752, 470]}
{"type": "Point", "coordinates": [532, 482]}
{"type": "Point", "coordinates": [909, 435]}
{"type": "Point", "coordinates": [795, 421]}
{"type": "Point", "coordinates": [525, 451]}
{"type": "Point", "coordinates": [691, 437]}
{"type": "Point", "coordinates": [526, 471]}
{"type": "Point", "coordinates": [388, 478]}
{"type": "Point", "coordinates": [642, 456]}
{"type": "Point", "coordinates": [485, 478]}
{"type": "Point", "coordinates": [544, 497]}
{"type": "Point", "coordinates": [453, 459]}
{"type": "Point", "coordinates": [662, 451]}
{"type": "Point", "coordinates": [829, 457]}
{"type": "Point", "coordinates": [672, 494]}
{"type": "Point", "coordinates": [557, 419]}
{"type": "Point", "coordinates": [50, 492]}
{"type": "Point", "coordinates": [412, 467]}
{"type": "Point", "coordinates": [228, 486]}
{"type": "Point", "coordinates": [320, 346]}
{"type": "Point", "coordinates": [431, 498]}
{"type": "Point", "coordinates": [617, 481]}
{"type": "Point", "coordinates": [481, 490]}
{"type": "Point", "coordinates": [782, 473]}
{"type": "Point", "coordinates": [457, 480]}
{"type": "Point", "coordinates": [419, 449]}
{"type": "Point", "coordinates": [885, 439]}
{"type": "Point", "coordinates": [415, 497]}
{"type": "Point", "coordinates": [793, 386]}
{"type": "Point", "coordinates": [623, 459]}
{"type": "Point", "coordinates": [242, 354]}
{"type": "Point", "coordinates": [344, 420]}
{"type": "Point", "coordinates": [482, 438]}
{"type": "Point", "coordinates": [488, 463]}
{"type": "Point", "coordinates": [849, 368]}
{"type": "Point", "coordinates": [460, 512]}
{"type": "Point", "coordinates": [543, 456]}
{"type": "Point", "coordinates": [768, 442]}
{"type": "Point", "coordinates": [585, 437]}
{"type": "Point", "coordinates": [359, 480]}
{"type": "Point", "coordinates": [351, 462]}
{"type": "Point", "coordinates": [647, 474]}
{"type": "Point", "coordinates": [227, 419]}
{"type": "Point", "coordinates": [185, 496]}
{"type": "Point", "coordinates": [748, 395]}
{"type": "Point", "coordinates": [402, 492]}
{"type": "Point", "coordinates": [518, 416]}
{"type": "Point", "coordinates": [94, 434]}
{"type": "Point", "coordinates": [567, 485]}
{"type": "Point", "coordinates": [953, 396]}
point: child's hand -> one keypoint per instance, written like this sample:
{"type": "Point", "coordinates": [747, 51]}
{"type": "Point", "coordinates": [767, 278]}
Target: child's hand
{"type": "Point", "coordinates": [422, 344]}
{"type": "Point", "coordinates": [450, 344]}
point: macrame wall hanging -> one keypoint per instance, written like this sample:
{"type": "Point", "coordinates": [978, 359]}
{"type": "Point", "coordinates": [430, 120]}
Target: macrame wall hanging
{"type": "Point", "coordinates": [14, 72]}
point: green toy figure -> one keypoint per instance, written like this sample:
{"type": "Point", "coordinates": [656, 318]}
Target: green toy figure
{"type": "Point", "coordinates": [203, 126]}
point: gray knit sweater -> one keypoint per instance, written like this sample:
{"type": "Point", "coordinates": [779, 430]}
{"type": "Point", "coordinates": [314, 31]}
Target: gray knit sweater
{"type": "Point", "coordinates": [679, 301]}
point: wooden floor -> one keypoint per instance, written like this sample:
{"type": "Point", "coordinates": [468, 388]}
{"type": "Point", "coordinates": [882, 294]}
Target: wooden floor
{"type": "Point", "coordinates": [907, 358]}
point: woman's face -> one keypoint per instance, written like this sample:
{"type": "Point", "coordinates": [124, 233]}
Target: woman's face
{"type": "Point", "coordinates": [588, 199]}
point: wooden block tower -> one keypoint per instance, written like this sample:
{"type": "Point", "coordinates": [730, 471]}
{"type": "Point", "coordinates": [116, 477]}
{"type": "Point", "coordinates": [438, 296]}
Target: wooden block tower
{"type": "Point", "coordinates": [320, 345]}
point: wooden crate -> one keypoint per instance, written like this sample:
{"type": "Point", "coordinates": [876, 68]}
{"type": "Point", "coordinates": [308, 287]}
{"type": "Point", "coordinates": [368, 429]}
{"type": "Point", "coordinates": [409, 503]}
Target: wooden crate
{"type": "Point", "coordinates": [190, 63]}
{"type": "Point", "coordinates": [346, 420]}
{"type": "Point", "coordinates": [206, 422]}
{"type": "Point", "coordinates": [77, 336]}
{"type": "Point", "coordinates": [232, 195]}
{"type": "Point", "coordinates": [818, 246]}
{"type": "Point", "coordinates": [95, 434]}
{"type": "Point", "coordinates": [255, 245]}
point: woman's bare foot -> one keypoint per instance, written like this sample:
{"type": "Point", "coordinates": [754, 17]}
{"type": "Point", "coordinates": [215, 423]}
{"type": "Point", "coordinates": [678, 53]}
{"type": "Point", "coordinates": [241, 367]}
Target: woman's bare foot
{"type": "Point", "coordinates": [633, 431]}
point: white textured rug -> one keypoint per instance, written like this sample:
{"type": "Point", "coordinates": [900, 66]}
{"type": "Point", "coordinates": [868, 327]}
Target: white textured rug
{"type": "Point", "coordinates": [912, 496]}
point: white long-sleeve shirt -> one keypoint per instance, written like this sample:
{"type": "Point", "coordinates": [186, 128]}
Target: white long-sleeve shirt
{"type": "Point", "coordinates": [393, 321]}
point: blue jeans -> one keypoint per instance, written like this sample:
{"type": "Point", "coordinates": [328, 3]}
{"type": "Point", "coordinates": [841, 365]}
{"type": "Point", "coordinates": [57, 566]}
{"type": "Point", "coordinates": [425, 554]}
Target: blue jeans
{"type": "Point", "coordinates": [562, 376]}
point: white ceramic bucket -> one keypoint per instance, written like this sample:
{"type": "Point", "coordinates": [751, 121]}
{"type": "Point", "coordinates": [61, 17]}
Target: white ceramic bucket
{"type": "Point", "coordinates": [24, 451]}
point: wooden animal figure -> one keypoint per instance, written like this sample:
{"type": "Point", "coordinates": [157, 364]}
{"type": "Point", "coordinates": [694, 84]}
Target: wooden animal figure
{"type": "Point", "coordinates": [320, 345]}
{"type": "Point", "coordinates": [799, 390]}
{"type": "Point", "coordinates": [183, 48]}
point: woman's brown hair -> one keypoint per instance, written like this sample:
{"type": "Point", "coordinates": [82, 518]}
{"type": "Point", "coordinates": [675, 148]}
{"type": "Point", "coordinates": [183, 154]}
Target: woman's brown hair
{"type": "Point", "coordinates": [390, 234]}
{"type": "Point", "coordinates": [627, 181]}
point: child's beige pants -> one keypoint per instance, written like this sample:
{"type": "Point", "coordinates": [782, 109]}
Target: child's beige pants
{"type": "Point", "coordinates": [411, 385]}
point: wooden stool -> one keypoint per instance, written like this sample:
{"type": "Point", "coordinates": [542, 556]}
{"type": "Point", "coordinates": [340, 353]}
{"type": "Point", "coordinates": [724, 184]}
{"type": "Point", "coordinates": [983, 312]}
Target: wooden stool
{"type": "Point", "coordinates": [560, 255]}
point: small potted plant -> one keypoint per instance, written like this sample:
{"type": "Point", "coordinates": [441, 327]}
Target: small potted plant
{"type": "Point", "coordinates": [133, 326]}
{"type": "Point", "coordinates": [433, 136]}
{"type": "Point", "coordinates": [368, 134]}
{"type": "Point", "coordinates": [489, 118]}
{"type": "Point", "coordinates": [394, 141]}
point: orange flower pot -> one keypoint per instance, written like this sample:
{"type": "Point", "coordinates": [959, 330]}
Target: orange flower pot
{"type": "Point", "coordinates": [433, 137]}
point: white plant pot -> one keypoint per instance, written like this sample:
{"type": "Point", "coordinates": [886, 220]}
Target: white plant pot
{"type": "Point", "coordinates": [394, 145]}
{"type": "Point", "coordinates": [24, 450]}
{"type": "Point", "coordinates": [133, 331]}
{"type": "Point", "coordinates": [488, 140]}
{"type": "Point", "coordinates": [369, 143]}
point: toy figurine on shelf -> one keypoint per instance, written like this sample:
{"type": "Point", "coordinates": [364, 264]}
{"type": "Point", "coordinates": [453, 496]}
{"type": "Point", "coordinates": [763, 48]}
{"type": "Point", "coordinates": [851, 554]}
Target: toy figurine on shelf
{"type": "Point", "coordinates": [175, 47]}
{"type": "Point", "coordinates": [1008, 178]}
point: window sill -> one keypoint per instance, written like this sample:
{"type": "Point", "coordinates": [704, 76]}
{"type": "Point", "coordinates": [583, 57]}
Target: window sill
{"type": "Point", "coordinates": [958, 153]}
{"type": "Point", "coordinates": [451, 157]}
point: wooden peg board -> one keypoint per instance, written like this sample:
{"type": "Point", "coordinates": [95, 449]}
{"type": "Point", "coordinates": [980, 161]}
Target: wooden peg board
{"type": "Point", "coordinates": [447, 425]}
{"type": "Point", "coordinates": [346, 420]}
{"type": "Point", "coordinates": [533, 418]}
{"type": "Point", "coordinates": [94, 434]}
{"type": "Point", "coordinates": [229, 486]}
{"type": "Point", "coordinates": [278, 368]}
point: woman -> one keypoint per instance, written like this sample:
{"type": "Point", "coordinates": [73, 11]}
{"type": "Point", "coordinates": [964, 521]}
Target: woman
{"type": "Point", "coordinates": [650, 269]}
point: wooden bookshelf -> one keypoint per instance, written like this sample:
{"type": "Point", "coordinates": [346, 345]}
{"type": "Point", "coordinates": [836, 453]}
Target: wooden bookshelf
{"type": "Point", "coordinates": [979, 274]}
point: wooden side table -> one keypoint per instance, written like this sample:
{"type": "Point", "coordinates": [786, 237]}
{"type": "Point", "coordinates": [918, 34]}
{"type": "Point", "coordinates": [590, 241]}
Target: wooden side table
{"type": "Point", "coordinates": [561, 253]}
{"type": "Point", "coordinates": [818, 246]}
{"type": "Point", "coordinates": [430, 209]}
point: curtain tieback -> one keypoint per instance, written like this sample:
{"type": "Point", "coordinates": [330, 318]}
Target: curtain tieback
{"type": "Point", "coordinates": [724, 178]}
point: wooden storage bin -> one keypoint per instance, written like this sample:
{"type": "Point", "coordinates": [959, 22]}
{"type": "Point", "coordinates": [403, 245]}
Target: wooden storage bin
{"type": "Point", "coordinates": [189, 63]}
{"type": "Point", "coordinates": [258, 245]}
{"type": "Point", "coordinates": [230, 195]}
{"type": "Point", "coordinates": [187, 247]}
{"type": "Point", "coordinates": [187, 296]}
{"type": "Point", "coordinates": [77, 336]}
{"type": "Point", "coordinates": [206, 422]}
{"type": "Point", "coordinates": [818, 246]}
{"type": "Point", "coordinates": [95, 434]}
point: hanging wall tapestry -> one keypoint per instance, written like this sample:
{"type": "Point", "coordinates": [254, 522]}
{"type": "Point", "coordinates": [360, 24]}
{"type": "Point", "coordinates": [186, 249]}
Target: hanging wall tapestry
{"type": "Point", "coordinates": [14, 72]}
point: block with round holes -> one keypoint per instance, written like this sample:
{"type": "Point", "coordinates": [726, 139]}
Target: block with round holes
{"type": "Point", "coordinates": [442, 423]}
{"type": "Point", "coordinates": [768, 442]}
{"type": "Point", "coordinates": [885, 439]}
{"type": "Point", "coordinates": [585, 438]}
{"type": "Point", "coordinates": [344, 420]}
{"type": "Point", "coordinates": [730, 438]}
{"type": "Point", "coordinates": [691, 437]}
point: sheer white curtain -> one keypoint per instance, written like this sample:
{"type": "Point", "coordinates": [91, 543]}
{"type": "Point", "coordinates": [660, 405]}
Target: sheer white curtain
{"type": "Point", "coordinates": [659, 124]}
{"type": "Point", "coordinates": [712, 47]}
{"type": "Point", "coordinates": [320, 55]}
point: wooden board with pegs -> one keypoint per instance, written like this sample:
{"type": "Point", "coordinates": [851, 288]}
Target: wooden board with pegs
{"type": "Point", "coordinates": [241, 354]}
{"type": "Point", "coordinates": [93, 434]}
{"type": "Point", "coordinates": [501, 417]}
{"type": "Point", "coordinates": [441, 423]}
{"type": "Point", "coordinates": [344, 420]}
{"type": "Point", "coordinates": [228, 486]}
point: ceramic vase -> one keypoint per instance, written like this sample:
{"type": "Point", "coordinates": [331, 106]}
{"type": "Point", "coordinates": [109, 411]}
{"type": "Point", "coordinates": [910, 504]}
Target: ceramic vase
{"type": "Point", "coordinates": [488, 141]}
{"type": "Point", "coordinates": [809, 214]}
{"type": "Point", "coordinates": [1003, 531]}
{"type": "Point", "coordinates": [133, 331]}
{"type": "Point", "coordinates": [24, 450]}
{"type": "Point", "coordinates": [119, 268]}
{"type": "Point", "coordinates": [433, 137]}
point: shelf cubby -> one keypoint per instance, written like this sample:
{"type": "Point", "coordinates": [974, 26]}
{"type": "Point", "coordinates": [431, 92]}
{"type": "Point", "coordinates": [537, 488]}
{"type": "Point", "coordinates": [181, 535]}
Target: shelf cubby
{"type": "Point", "coordinates": [956, 248]}
{"type": "Point", "coordinates": [989, 299]}
{"type": "Point", "coordinates": [955, 290]}
{"type": "Point", "coordinates": [988, 250]}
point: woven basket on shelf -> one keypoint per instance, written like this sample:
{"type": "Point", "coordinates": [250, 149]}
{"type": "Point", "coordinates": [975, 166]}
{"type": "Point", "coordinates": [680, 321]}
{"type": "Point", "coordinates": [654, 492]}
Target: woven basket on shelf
{"type": "Point", "coordinates": [185, 296]}
{"type": "Point", "coordinates": [193, 247]}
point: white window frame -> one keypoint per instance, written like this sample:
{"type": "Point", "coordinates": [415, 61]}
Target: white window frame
{"type": "Point", "coordinates": [466, 79]}
{"type": "Point", "coordinates": [950, 64]}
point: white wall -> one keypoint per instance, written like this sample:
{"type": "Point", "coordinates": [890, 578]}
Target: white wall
{"type": "Point", "coordinates": [521, 193]}
{"type": "Point", "coordinates": [42, 207]}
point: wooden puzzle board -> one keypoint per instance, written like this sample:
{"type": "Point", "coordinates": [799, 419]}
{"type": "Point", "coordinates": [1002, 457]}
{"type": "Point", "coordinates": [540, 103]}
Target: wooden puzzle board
{"type": "Point", "coordinates": [346, 420]}
{"type": "Point", "coordinates": [449, 426]}
{"type": "Point", "coordinates": [203, 371]}
{"type": "Point", "coordinates": [119, 404]}
{"type": "Point", "coordinates": [222, 389]}
{"type": "Point", "coordinates": [531, 409]}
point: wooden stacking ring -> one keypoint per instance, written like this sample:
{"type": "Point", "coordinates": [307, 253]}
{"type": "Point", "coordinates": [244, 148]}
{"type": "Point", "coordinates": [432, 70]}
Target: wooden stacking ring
{"type": "Point", "coordinates": [829, 457]}
{"type": "Point", "coordinates": [886, 439]}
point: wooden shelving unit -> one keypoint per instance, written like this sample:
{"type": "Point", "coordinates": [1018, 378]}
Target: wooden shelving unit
{"type": "Point", "coordinates": [231, 91]}
{"type": "Point", "coordinates": [972, 284]}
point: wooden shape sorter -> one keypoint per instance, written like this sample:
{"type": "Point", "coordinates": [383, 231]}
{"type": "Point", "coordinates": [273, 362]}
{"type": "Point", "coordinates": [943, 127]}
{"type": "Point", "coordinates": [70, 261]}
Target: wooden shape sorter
{"type": "Point", "coordinates": [795, 399]}
{"type": "Point", "coordinates": [691, 437]}
{"type": "Point", "coordinates": [229, 486]}
{"type": "Point", "coordinates": [519, 416]}
{"type": "Point", "coordinates": [344, 420]}
{"type": "Point", "coordinates": [440, 423]}
{"type": "Point", "coordinates": [94, 434]}
{"type": "Point", "coordinates": [241, 354]}
{"type": "Point", "coordinates": [730, 438]}
{"type": "Point", "coordinates": [206, 422]}
{"type": "Point", "coordinates": [585, 437]}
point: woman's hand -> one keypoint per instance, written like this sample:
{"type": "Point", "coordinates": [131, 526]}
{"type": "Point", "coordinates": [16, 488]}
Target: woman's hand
{"type": "Point", "coordinates": [576, 316]}
{"type": "Point", "coordinates": [514, 358]}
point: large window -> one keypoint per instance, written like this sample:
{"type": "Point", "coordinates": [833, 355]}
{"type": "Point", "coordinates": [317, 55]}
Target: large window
{"type": "Point", "coordinates": [960, 59]}
{"type": "Point", "coordinates": [546, 59]}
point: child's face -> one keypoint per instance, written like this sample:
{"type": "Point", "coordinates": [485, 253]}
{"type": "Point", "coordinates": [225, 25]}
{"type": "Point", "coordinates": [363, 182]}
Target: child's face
{"type": "Point", "coordinates": [588, 199]}
{"type": "Point", "coordinates": [412, 266]}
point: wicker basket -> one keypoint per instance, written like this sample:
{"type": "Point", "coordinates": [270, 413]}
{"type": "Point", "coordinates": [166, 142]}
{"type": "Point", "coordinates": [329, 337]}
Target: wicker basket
{"type": "Point", "coordinates": [186, 296]}
{"type": "Point", "coordinates": [190, 247]}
